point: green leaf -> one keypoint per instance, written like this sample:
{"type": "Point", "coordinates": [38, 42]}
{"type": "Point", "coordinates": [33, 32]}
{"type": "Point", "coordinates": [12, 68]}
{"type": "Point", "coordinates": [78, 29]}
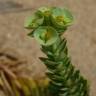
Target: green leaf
{"type": "Point", "coordinates": [31, 34]}
{"type": "Point", "coordinates": [46, 12]}
{"type": "Point", "coordinates": [46, 35]}
{"type": "Point", "coordinates": [61, 18]}
{"type": "Point", "coordinates": [33, 21]}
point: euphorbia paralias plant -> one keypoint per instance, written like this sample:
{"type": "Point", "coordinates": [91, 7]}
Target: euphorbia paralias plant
{"type": "Point", "coordinates": [47, 26]}
{"type": "Point", "coordinates": [47, 29]}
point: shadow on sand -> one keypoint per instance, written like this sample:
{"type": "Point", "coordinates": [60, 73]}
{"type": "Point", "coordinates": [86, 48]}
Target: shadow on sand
{"type": "Point", "coordinates": [12, 7]}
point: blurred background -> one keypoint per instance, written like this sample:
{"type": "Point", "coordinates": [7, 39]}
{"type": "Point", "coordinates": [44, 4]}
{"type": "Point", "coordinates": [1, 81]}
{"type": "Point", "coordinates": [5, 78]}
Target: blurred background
{"type": "Point", "coordinates": [81, 35]}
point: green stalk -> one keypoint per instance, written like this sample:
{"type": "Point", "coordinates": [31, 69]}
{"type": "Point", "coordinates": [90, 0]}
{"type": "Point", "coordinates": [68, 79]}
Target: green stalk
{"type": "Point", "coordinates": [65, 79]}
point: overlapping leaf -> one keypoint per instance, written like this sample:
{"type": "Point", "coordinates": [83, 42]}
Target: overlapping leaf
{"type": "Point", "coordinates": [46, 35]}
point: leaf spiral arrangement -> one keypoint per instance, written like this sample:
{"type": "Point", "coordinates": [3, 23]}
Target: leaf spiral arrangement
{"type": "Point", "coordinates": [52, 22]}
{"type": "Point", "coordinates": [65, 80]}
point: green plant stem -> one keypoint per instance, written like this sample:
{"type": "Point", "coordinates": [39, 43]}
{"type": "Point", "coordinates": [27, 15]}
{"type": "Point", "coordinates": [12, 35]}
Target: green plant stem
{"type": "Point", "coordinates": [65, 80]}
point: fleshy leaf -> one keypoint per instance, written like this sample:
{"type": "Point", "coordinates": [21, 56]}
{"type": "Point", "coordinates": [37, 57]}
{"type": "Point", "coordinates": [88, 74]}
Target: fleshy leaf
{"type": "Point", "coordinates": [61, 17]}
{"type": "Point", "coordinates": [31, 33]}
{"type": "Point", "coordinates": [34, 21]}
{"type": "Point", "coordinates": [46, 13]}
{"type": "Point", "coordinates": [46, 35]}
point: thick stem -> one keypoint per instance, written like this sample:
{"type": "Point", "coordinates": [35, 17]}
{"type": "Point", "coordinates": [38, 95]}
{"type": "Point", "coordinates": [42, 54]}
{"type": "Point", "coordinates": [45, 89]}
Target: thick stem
{"type": "Point", "coordinates": [65, 80]}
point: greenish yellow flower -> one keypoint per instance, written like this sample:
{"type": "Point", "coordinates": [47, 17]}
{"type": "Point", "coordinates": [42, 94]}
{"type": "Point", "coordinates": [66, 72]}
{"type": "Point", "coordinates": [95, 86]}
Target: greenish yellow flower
{"type": "Point", "coordinates": [46, 35]}
{"type": "Point", "coordinates": [61, 17]}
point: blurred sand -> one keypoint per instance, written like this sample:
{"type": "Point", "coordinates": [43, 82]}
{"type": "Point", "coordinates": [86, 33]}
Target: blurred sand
{"type": "Point", "coordinates": [81, 36]}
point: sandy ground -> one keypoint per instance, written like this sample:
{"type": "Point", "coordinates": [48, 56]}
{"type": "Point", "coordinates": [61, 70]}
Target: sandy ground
{"type": "Point", "coordinates": [81, 36]}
